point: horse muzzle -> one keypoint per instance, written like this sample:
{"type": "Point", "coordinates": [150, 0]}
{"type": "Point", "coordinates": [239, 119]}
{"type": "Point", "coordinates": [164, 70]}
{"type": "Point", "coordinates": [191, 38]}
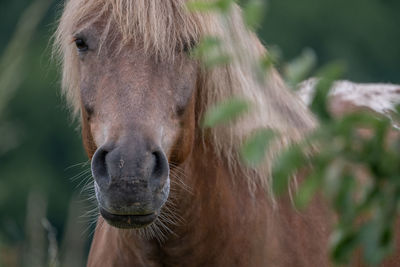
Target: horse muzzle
{"type": "Point", "coordinates": [128, 221]}
{"type": "Point", "coordinates": [131, 183]}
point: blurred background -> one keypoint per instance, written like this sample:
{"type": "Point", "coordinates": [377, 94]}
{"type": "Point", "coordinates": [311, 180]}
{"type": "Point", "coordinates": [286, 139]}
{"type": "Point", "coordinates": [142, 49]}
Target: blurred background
{"type": "Point", "coordinates": [42, 162]}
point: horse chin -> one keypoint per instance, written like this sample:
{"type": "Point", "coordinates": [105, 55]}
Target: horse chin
{"type": "Point", "coordinates": [128, 215]}
{"type": "Point", "coordinates": [129, 221]}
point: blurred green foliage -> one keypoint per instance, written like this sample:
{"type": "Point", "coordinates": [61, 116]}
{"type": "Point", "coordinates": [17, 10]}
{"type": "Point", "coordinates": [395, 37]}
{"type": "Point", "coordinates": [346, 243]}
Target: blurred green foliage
{"type": "Point", "coordinates": [253, 150]}
{"type": "Point", "coordinates": [38, 141]}
{"type": "Point", "coordinates": [225, 112]}
{"type": "Point", "coordinates": [358, 173]}
{"type": "Point", "coordinates": [210, 52]}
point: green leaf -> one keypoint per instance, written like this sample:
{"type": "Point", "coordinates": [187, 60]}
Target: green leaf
{"type": "Point", "coordinates": [206, 45]}
{"type": "Point", "coordinates": [285, 166]}
{"type": "Point", "coordinates": [344, 200]}
{"type": "Point", "coordinates": [343, 242]}
{"type": "Point", "coordinates": [254, 149]}
{"type": "Point", "coordinates": [300, 68]}
{"type": "Point", "coordinates": [271, 58]}
{"type": "Point", "coordinates": [253, 12]}
{"type": "Point", "coordinates": [267, 62]}
{"type": "Point", "coordinates": [307, 190]}
{"type": "Point", "coordinates": [205, 6]}
{"type": "Point", "coordinates": [396, 115]}
{"type": "Point", "coordinates": [225, 112]}
{"type": "Point", "coordinates": [377, 240]}
{"type": "Point", "coordinates": [201, 6]}
{"type": "Point", "coordinates": [327, 76]}
{"type": "Point", "coordinates": [210, 52]}
{"type": "Point", "coordinates": [333, 178]}
{"type": "Point", "coordinates": [224, 5]}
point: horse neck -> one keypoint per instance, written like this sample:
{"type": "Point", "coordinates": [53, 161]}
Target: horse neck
{"type": "Point", "coordinates": [225, 224]}
{"type": "Point", "coordinates": [210, 188]}
{"type": "Point", "coordinates": [218, 212]}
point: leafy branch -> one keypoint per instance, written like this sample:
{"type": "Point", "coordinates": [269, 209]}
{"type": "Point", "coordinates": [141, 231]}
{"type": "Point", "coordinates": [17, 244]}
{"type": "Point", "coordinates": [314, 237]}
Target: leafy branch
{"type": "Point", "coordinates": [355, 164]}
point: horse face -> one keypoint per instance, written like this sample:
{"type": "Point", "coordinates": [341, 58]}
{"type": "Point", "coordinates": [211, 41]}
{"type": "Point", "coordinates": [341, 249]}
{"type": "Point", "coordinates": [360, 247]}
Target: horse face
{"type": "Point", "coordinates": [138, 115]}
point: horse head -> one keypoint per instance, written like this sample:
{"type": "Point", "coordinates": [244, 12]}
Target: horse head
{"type": "Point", "coordinates": [137, 114]}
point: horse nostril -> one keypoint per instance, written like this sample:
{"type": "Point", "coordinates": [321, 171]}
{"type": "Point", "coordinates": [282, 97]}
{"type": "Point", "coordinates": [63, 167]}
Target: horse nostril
{"type": "Point", "coordinates": [160, 166]}
{"type": "Point", "coordinates": [99, 168]}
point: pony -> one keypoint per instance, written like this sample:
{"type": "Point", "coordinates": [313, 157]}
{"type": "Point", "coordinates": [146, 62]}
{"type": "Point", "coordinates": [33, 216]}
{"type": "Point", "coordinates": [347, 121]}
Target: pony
{"type": "Point", "coordinates": [169, 192]}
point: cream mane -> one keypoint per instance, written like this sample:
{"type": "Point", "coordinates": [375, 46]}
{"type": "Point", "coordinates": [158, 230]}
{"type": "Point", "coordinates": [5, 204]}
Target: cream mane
{"type": "Point", "coordinates": [164, 25]}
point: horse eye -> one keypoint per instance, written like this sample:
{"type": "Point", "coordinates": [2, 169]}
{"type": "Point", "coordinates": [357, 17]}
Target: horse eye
{"type": "Point", "coordinates": [187, 47]}
{"type": "Point", "coordinates": [81, 45]}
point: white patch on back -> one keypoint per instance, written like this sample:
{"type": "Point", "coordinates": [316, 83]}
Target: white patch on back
{"type": "Point", "coordinates": [381, 98]}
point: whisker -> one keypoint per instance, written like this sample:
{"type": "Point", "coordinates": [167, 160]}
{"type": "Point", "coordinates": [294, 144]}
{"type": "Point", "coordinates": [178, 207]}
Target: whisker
{"type": "Point", "coordinates": [159, 235]}
{"type": "Point", "coordinates": [180, 184]}
{"type": "Point", "coordinates": [173, 217]}
{"type": "Point", "coordinates": [88, 186]}
{"type": "Point", "coordinates": [91, 218]}
{"type": "Point", "coordinates": [84, 180]}
{"type": "Point", "coordinates": [81, 164]}
{"type": "Point", "coordinates": [80, 174]}
{"type": "Point", "coordinates": [97, 227]}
